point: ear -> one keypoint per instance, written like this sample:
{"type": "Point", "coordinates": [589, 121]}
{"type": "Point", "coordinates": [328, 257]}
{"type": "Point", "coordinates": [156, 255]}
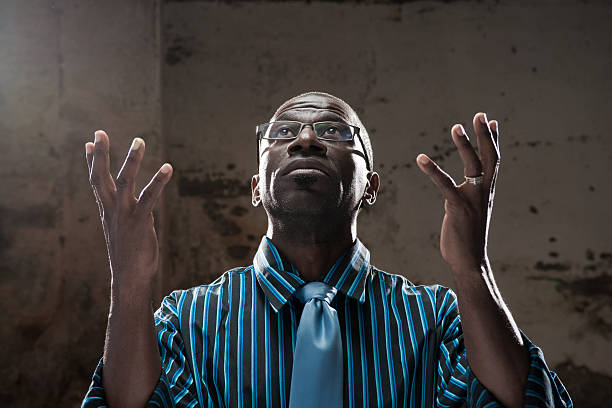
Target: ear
{"type": "Point", "coordinates": [371, 191]}
{"type": "Point", "coordinates": [255, 194]}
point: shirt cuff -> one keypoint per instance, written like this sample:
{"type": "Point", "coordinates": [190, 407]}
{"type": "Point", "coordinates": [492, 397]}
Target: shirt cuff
{"type": "Point", "coordinates": [160, 397]}
{"type": "Point", "coordinates": [543, 388]}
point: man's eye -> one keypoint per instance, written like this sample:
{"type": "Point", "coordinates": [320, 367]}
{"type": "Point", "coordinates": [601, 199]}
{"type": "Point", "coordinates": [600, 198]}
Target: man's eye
{"type": "Point", "coordinates": [283, 132]}
{"type": "Point", "coordinates": [331, 130]}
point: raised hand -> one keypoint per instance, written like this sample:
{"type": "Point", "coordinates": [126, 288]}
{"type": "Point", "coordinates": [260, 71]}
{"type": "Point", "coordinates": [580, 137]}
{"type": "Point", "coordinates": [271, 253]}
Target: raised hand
{"type": "Point", "coordinates": [468, 207]}
{"type": "Point", "coordinates": [127, 221]}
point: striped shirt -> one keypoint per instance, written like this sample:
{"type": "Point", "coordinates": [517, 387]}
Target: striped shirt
{"type": "Point", "coordinates": [231, 343]}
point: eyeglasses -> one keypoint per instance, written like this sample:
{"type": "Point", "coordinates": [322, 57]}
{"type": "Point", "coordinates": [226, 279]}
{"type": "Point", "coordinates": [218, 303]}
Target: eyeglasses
{"type": "Point", "coordinates": [290, 129]}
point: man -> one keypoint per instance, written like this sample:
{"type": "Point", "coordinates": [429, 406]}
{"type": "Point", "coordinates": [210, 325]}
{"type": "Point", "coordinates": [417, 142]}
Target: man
{"type": "Point", "coordinates": [256, 337]}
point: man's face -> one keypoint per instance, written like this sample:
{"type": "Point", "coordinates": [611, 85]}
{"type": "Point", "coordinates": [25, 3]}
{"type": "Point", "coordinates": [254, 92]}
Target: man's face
{"type": "Point", "coordinates": [307, 175]}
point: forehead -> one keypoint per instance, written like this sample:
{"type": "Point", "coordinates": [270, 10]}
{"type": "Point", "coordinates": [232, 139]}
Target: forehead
{"type": "Point", "coordinates": [311, 108]}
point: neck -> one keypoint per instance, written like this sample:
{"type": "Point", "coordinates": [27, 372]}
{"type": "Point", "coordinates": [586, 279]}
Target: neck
{"type": "Point", "coordinates": [311, 246]}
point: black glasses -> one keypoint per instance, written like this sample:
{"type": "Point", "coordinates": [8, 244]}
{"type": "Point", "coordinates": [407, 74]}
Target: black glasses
{"type": "Point", "coordinates": [290, 129]}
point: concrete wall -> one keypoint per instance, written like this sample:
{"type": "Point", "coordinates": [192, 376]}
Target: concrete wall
{"type": "Point", "coordinates": [67, 68]}
{"type": "Point", "coordinates": [194, 78]}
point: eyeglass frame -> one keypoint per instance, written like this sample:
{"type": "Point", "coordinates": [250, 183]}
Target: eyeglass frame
{"type": "Point", "coordinates": [356, 131]}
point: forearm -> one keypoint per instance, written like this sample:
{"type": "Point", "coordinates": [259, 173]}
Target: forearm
{"type": "Point", "coordinates": [131, 358]}
{"type": "Point", "coordinates": [494, 346]}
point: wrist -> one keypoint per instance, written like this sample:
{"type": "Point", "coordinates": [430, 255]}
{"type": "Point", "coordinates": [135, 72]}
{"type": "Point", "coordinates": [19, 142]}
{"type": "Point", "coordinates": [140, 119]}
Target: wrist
{"type": "Point", "coordinates": [131, 292]}
{"type": "Point", "coordinates": [471, 269]}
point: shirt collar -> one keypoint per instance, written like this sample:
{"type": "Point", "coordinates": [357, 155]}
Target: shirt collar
{"type": "Point", "coordinates": [278, 278]}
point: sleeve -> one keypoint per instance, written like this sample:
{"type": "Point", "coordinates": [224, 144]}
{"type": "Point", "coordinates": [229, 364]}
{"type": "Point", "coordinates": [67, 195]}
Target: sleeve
{"type": "Point", "coordinates": [95, 397]}
{"type": "Point", "coordinates": [456, 384]}
{"type": "Point", "coordinates": [175, 387]}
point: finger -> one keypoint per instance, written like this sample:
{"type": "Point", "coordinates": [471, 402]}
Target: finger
{"type": "Point", "coordinates": [99, 203]}
{"type": "Point", "coordinates": [489, 153]}
{"type": "Point", "coordinates": [490, 200]}
{"type": "Point", "coordinates": [492, 188]}
{"type": "Point", "coordinates": [127, 174]}
{"type": "Point", "coordinates": [494, 126]}
{"type": "Point", "coordinates": [89, 149]}
{"type": "Point", "coordinates": [472, 166]}
{"type": "Point", "coordinates": [100, 177]}
{"type": "Point", "coordinates": [439, 177]}
{"type": "Point", "coordinates": [149, 195]}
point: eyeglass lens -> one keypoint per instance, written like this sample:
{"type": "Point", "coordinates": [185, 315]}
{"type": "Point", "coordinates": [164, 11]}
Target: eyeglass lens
{"type": "Point", "coordinates": [323, 130]}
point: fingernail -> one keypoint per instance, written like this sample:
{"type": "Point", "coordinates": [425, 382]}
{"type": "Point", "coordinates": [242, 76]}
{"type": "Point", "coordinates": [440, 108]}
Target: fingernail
{"type": "Point", "coordinates": [461, 132]}
{"type": "Point", "coordinates": [97, 136]}
{"type": "Point", "coordinates": [494, 125]}
{"type": "Point", "coordinates": [89, 148]}
{"type": "Point", "coordinates": [165, 169]}
{"type": "Point", "coordinates": [137, 143]}
{"type": "Point", "coordinates": [422, 159]}
{"type": "Point", "coordinates": [484, 119]}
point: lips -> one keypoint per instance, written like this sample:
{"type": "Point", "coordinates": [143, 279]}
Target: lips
{"type": "Point", "coordinates": [305, 166]}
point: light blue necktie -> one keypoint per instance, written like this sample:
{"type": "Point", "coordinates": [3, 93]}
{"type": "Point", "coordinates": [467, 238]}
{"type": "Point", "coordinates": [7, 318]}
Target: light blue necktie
{"type": "Point", "coordinates": [317, 377]}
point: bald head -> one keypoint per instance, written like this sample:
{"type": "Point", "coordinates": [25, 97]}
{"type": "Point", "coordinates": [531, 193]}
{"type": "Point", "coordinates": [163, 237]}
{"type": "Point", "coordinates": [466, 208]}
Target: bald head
{"type": "Point", "coordinates": [336, 106]}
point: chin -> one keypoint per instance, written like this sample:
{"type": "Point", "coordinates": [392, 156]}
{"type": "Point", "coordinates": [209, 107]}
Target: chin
{"type": "Point", "coordinates": [312, 206]}
{"type": "Point", "coordinates": [301, 203]}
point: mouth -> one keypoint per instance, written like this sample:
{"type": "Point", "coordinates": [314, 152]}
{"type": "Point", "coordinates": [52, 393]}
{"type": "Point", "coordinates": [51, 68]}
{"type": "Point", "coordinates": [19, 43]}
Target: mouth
{"type": "Point", "coordinates": [305, 172]}
{"type": "Point", "coordinates": [305, 167]}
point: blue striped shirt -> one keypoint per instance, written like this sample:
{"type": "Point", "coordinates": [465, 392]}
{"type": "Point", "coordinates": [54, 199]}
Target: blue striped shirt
{"type": "Point", "coordinates": [231, 343]}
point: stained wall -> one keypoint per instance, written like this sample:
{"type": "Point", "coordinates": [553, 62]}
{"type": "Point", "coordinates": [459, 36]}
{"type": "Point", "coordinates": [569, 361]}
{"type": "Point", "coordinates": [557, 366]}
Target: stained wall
{"type": "Point", "coordinates": [194, 78]}
{"type": "Point", "coordinates": [67, 68]}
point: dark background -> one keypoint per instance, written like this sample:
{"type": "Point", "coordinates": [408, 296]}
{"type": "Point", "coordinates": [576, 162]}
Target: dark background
{"type": "Point", "coordinates": [193, 78]}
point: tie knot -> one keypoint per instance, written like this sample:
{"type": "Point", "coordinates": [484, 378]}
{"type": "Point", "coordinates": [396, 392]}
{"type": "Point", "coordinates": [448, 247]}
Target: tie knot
{"type": "Point", "coordinates": [316, 290]}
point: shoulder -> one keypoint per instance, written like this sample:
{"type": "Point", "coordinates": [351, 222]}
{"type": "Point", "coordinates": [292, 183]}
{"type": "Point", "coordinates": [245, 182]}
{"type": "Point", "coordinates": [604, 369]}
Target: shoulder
{"type": "Point", "coordinates": [227, 278]}
{"type": "Point", "coordinates": [178, 300]}
{"type": "Point", "coordinates": [437, 295]}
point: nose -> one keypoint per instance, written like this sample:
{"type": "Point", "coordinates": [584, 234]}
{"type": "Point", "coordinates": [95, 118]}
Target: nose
{"type": "Point", "coordinates": [307, 143]}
